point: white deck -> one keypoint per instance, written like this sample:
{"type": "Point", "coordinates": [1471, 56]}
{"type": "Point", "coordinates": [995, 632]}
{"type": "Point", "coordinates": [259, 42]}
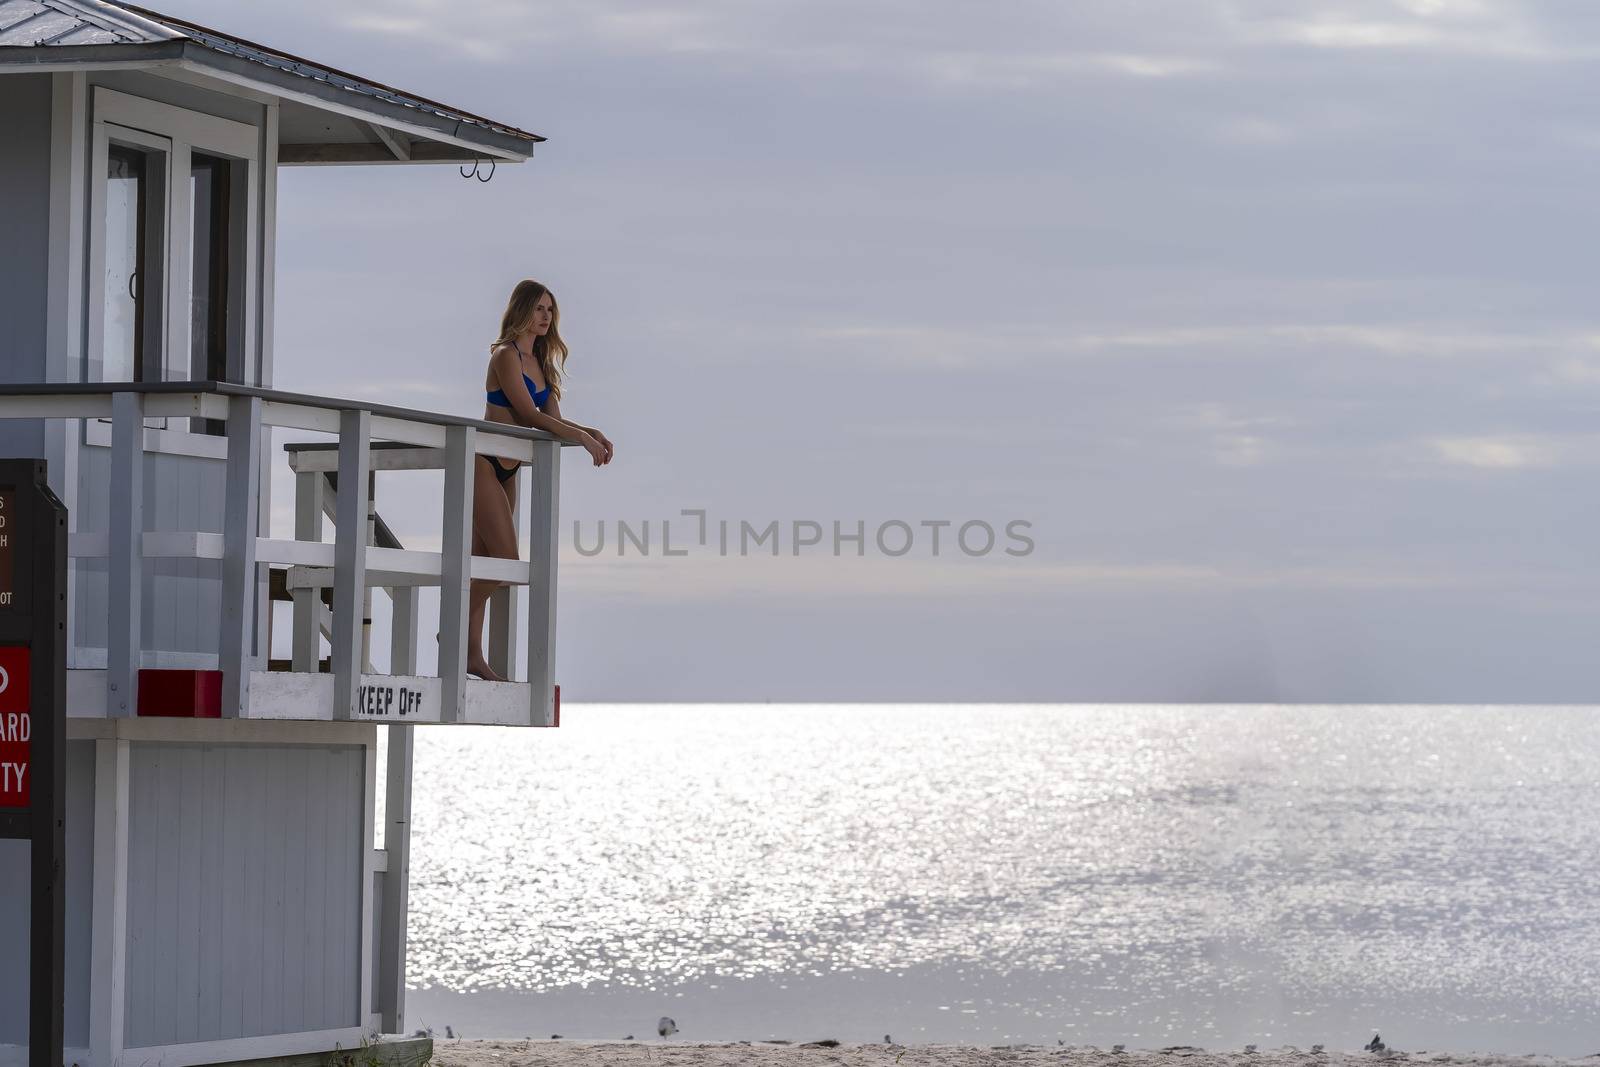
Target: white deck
{"type": "Point", "coordinates": [333, 483]}
{"type": "Point", "coordinates": [296, 696]}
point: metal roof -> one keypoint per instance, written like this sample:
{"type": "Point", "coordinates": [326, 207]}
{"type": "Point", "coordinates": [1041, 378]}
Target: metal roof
{"type": "Point", "coordinates": [32, 23]}
{"type": "Point", "coordinates": [95, 25]}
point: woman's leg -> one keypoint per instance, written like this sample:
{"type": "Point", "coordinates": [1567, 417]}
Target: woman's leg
{"type": "Point", "coordinates": [493, 534]}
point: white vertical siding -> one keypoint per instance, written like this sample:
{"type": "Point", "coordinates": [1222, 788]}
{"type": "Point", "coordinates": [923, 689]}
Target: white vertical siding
{"type": "Point", "coordinates": [244, 890]}
{"type": "Point", "coordinates": [78, 865]}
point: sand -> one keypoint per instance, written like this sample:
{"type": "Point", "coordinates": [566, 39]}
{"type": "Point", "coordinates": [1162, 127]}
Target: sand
{"type": "Point", "coordinates": [657, 1053]}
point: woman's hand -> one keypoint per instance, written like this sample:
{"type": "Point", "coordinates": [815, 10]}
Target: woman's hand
{"type": "Point", "coordinates": [598, 451]}
{"type": "Point", "coordinates": [605, 442]}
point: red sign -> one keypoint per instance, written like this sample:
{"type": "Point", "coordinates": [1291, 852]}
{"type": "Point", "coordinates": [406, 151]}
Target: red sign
{"type": "Point", "coordinates": [16, 727]}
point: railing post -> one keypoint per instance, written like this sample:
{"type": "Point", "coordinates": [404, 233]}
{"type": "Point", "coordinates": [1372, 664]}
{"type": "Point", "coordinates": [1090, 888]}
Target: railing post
{"type": "Point", "coordinates": [396, 883]}
{"type": "Point", "coordinates": [544, 496]}
{"type": "Point", "coordinates": [366, 593]}
{"type": "Point", "coordinates": [503, 601]}
{"type": "Point", "coordinates": [125, 562]}
{"type": "Point", "coordinates": [455, 569]}
{"type": "Point", "coordinates": [309, 490]}
{"type": "Point", "coordinates": [403, 630]}
{"type": "Point", "coordinates": [350, 558]}
{"type": "Point", "coordinates": [241, 501]}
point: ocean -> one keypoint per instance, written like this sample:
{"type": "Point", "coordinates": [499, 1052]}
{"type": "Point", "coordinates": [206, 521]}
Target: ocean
{"type": "Point", "coordinates": [993, 874]}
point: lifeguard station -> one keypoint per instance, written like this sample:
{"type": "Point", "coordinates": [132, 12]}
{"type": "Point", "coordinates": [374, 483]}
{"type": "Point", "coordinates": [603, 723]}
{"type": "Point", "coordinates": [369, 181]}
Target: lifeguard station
{"type": "Point", "coordinates": [227, 896]}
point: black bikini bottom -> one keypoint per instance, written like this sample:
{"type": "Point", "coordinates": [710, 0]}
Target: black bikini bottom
{"type": "Point", "coordinates": [505, 474]}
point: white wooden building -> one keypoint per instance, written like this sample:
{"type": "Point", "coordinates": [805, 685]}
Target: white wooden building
{"type": "Point", "coordinates": [227, 895]}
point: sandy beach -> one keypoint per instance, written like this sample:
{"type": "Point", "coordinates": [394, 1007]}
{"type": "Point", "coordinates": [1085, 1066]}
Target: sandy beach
{"type": "Point", "coordinates": [656, 1053]}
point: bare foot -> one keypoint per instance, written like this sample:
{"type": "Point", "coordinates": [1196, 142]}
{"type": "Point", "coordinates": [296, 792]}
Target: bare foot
{"type": "Point", "coordinates": [479, 667]}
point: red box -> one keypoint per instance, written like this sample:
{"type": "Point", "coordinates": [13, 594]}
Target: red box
{"type": "Point", "coordinates": [175, 694]}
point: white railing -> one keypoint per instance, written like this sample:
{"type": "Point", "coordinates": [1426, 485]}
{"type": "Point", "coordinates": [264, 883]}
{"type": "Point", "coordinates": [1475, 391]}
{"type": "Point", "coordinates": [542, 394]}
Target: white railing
{"type": "Point", "coordinates": [369, 438]}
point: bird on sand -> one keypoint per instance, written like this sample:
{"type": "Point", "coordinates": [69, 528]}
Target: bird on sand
{"type": "Point", "coordinates": [1376, 1045]}
{"type": "Point", "coordinates": [666, 1027]}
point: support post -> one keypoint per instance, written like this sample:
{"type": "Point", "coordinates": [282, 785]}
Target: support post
{"type": "Point", "coordinates": [544, 496]}
{"type": "Point", "coordinates": [396, 882]}
{"type": "Point", "coordinates": [455, 568]}
{"type": "Point", "coordinates": [242, 501]}
{"type": "Point", "coordinates": [108, 928]}
{"type": "Point", "coordinates": [125, 565]}
{"type": "Point", "coordinates": [367, 967]}
{"type": "Point", "coordinates": [397, 826]}
{"type": "Point", "coordinates": [309, 492]}
{"type": "Point", "coordinates": [350, 559]}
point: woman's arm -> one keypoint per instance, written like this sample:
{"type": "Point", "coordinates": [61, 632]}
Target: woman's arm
{"type": "Point", "coordinates": [508, 371]}
{"type": "Point", "coordinates": [552, 408]}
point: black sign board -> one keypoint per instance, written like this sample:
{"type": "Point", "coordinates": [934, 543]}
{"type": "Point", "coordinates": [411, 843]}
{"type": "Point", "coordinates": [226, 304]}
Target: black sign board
{"type": "Point", "coordinates": [33, 691]}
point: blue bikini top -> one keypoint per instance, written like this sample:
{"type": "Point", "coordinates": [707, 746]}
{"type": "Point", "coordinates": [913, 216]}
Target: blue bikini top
{"type": "Point", "coordinates": [499, 399]}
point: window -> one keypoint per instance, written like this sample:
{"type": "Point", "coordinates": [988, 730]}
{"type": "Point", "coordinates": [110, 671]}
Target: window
{"type": "Point", "coordinates": [134, 242]}
{"type": "Point", "coordinates": [210, 193]}
{"type": "Point", "coordinates": [126, 202]}
{"type": "Point", "coordinates": [172, 261]}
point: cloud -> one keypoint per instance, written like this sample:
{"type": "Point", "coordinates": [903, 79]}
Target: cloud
{"type": "Point", "coordinates": [1019, 49]}
{"type": "Point", "coordinates": [1391, 340]}
{"type": "Point", "coordinates": [1515, 451]}
{"type": "Point", "coordinates": [1251, 129]}
{"type": "Point", "coordinates": [1236, 440]}
{"type": "Point", "coordinates": [1575, 370]}
{"type": "Point", "coordinates": [1154, 66]}
{"type": "Point", "coordinates": [957, 347]}
{"type": "Point", "coordinates": [1485, 28]}
{"type": "Point", "coordinates": [1000, 70]}
{"type": "Point", "coordinates": [713, 578]}
{"type": "Point", "coordinates": [1024, 45]}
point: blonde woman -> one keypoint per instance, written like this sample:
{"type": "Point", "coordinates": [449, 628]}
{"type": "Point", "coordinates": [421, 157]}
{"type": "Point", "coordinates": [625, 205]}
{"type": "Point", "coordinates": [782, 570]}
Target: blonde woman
{"type": "Point", "coordinates": [523, 383]}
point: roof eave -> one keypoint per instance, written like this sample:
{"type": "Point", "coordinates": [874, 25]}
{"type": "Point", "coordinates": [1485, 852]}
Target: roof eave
{"type": "Point", "coordinates": [448, 140]}
{"type": "Point", "coordinates": [35, 58]}
{"type": "Point", "coordinates": [475, 140]}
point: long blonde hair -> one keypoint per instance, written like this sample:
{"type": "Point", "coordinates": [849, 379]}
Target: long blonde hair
{"type": "Point", "coordinates": [550, 350]}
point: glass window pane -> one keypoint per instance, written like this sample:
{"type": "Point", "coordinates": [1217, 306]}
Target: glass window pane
{"type": "Point", "coordinates": [121, 343]}
{"type": "Point", "coordinates": [202, 185]}
{"type": "Point", "coordinates": [208, 284]}
{"type": "Point", "coordinates": [210, 183]}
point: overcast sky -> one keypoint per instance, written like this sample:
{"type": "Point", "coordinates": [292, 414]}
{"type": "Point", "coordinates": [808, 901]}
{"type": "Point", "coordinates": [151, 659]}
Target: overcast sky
{"type": "Point", "coordinates": [1274, 320]}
